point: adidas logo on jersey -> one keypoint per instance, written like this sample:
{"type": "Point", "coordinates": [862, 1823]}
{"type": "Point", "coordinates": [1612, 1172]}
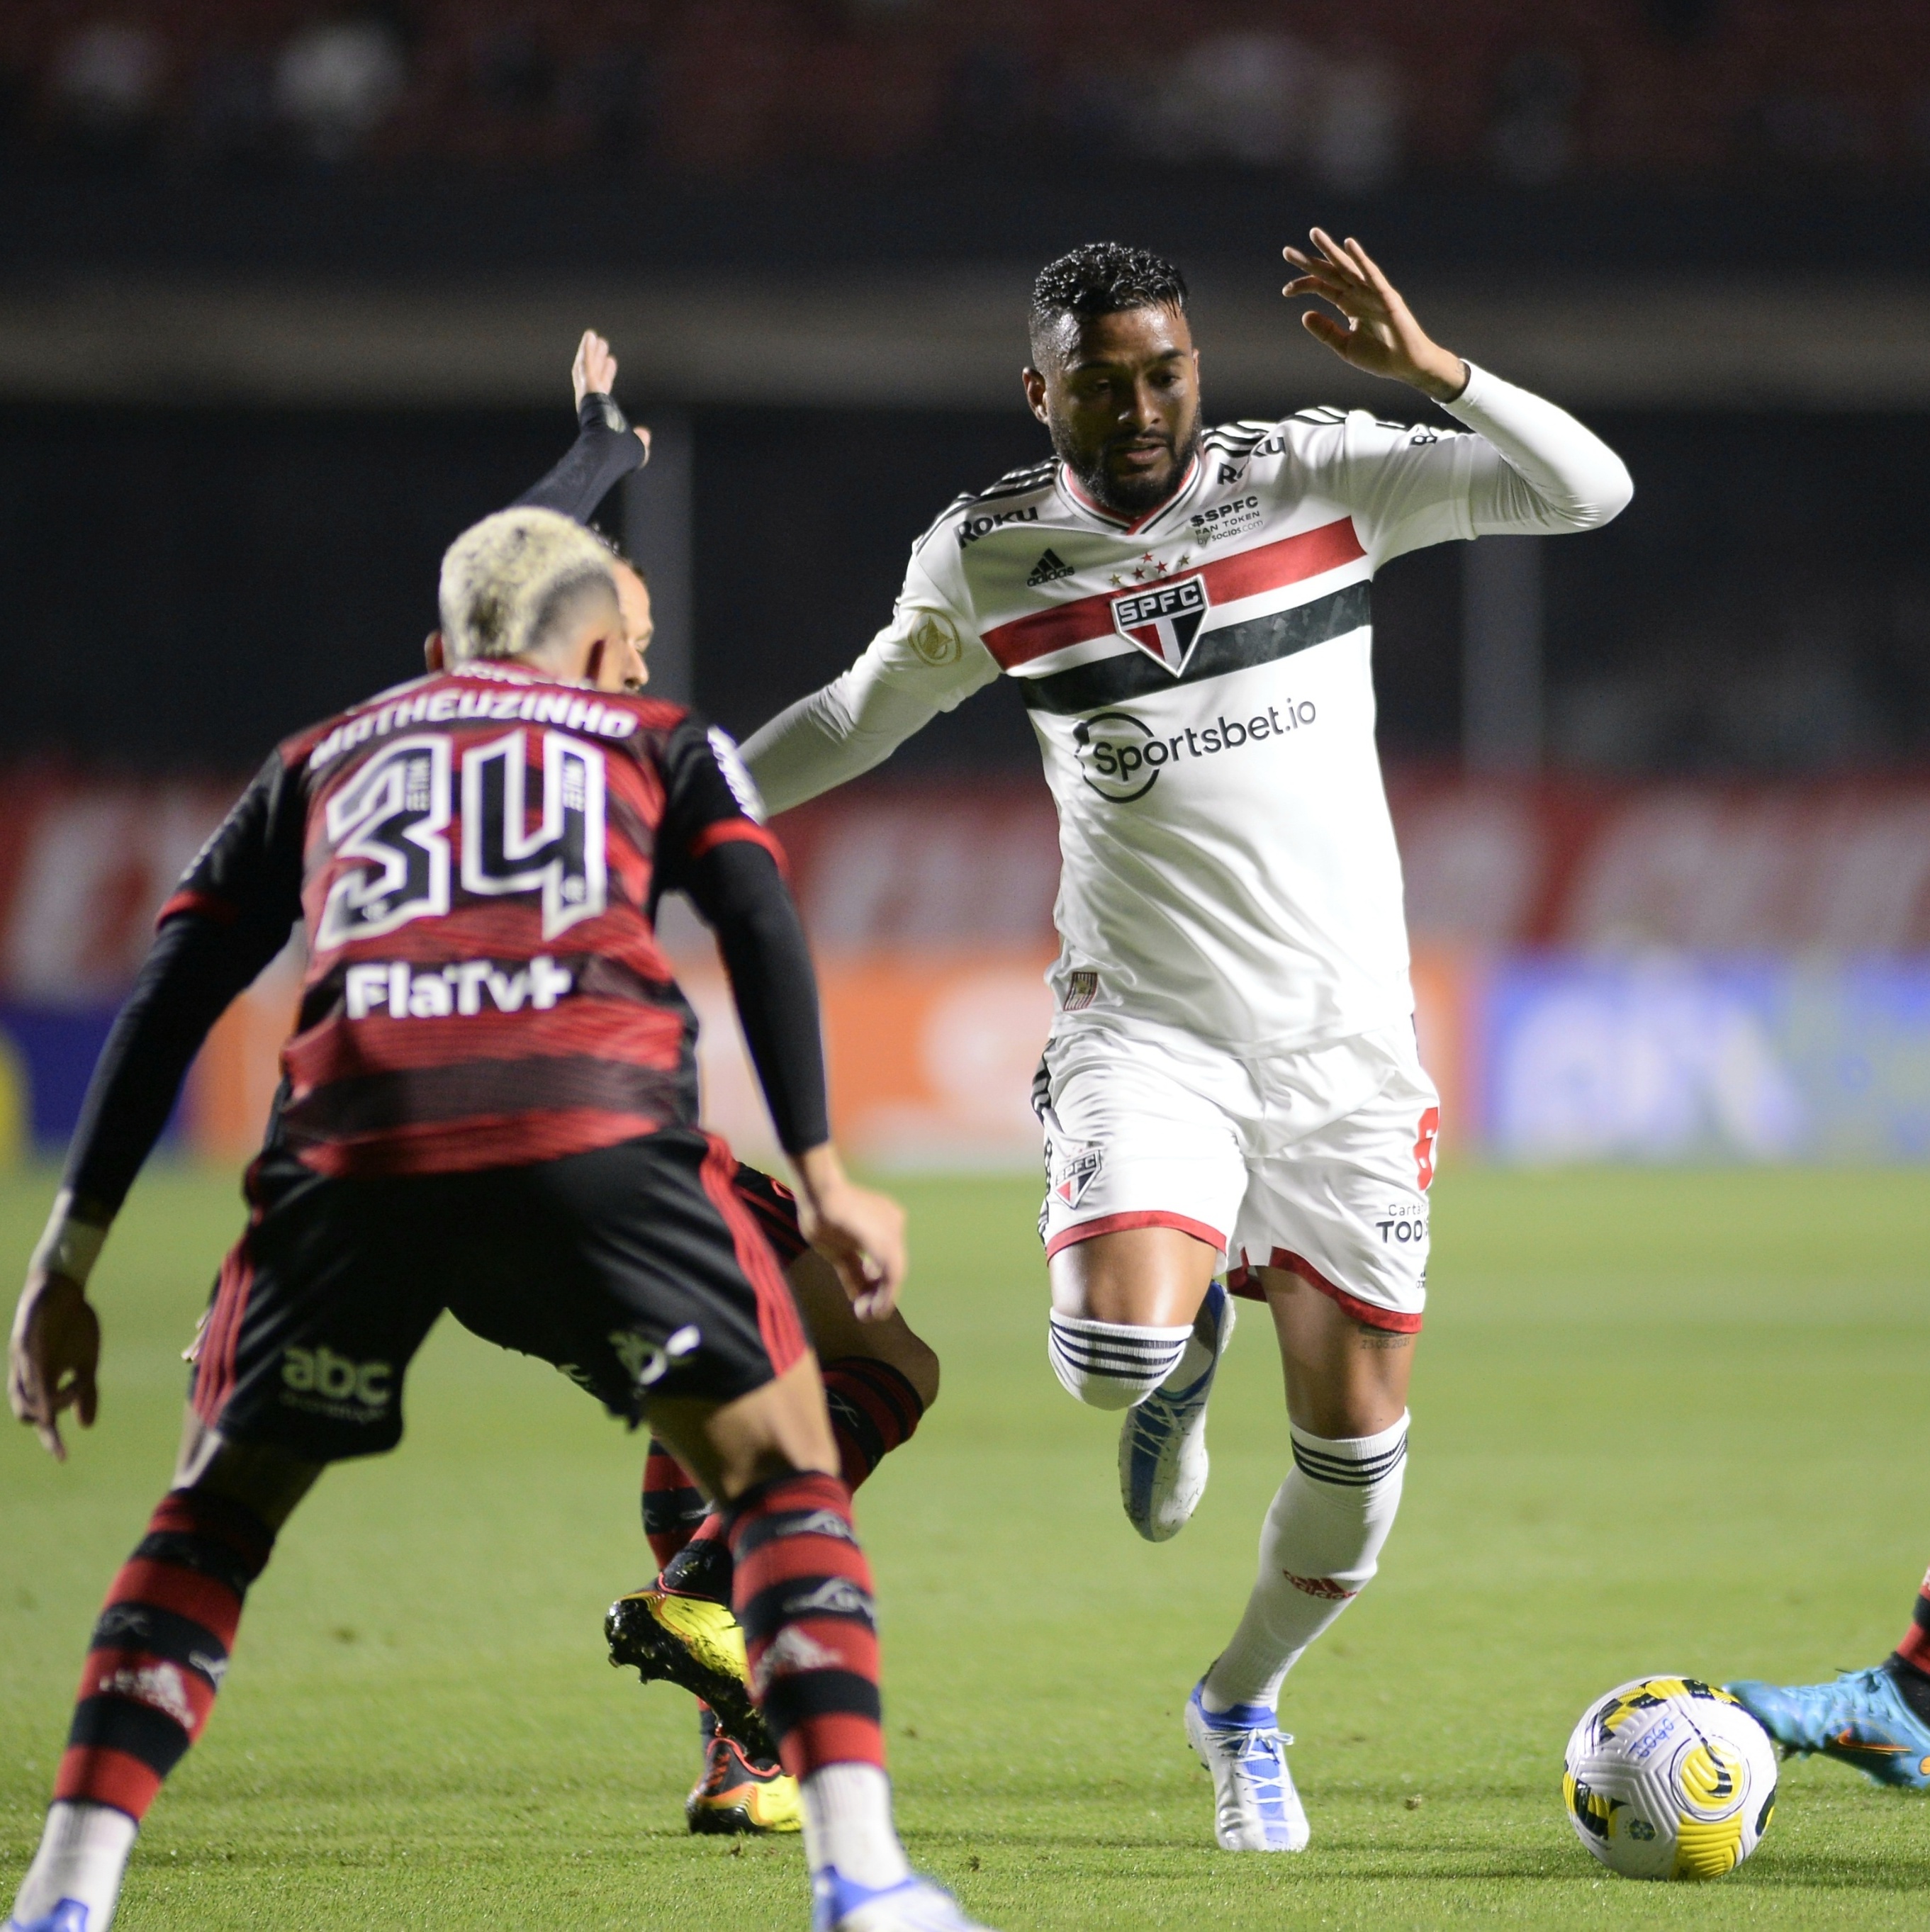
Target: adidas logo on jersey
{"type": "Point", "coordinates": [1049, 568]}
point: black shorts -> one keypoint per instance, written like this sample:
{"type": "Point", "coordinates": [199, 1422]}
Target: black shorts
{"type": "Point", "coordinates": [775, 1208]}
{"type": "Point", "coordinates": [638, 1270]}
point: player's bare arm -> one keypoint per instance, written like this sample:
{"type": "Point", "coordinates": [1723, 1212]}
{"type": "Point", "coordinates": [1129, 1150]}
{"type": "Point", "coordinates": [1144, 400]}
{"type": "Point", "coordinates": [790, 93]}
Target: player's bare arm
{"type": "Point", "coordinates": [1379, 334]}
{"type": "Point", "coordinates": [859, 1233]}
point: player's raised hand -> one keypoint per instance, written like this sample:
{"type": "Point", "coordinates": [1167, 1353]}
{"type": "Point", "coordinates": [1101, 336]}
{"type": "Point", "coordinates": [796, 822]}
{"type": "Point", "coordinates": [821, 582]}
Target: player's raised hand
{"type": "Point", "coordinates": [1380, 334]}
{"type": "Point", "coordinates": [52, 1356]}
{"type": "Point", "coordinates": [859, 1233]}
{"type": "Point", "coordinates": [594, 373]}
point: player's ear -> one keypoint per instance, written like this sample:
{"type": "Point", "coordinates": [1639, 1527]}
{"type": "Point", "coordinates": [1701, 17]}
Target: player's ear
{"type": "Point", "coordinates": [434, 654]}
{"type": "Point", "coordinates": [593, 663]}
{"type": "Point", "coordinates": [1034, 386]}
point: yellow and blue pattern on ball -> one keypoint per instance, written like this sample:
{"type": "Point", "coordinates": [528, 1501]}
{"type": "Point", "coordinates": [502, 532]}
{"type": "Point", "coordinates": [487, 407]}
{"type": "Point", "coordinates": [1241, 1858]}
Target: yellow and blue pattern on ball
{"type": "Point", "coordinates": [1669, 1777]}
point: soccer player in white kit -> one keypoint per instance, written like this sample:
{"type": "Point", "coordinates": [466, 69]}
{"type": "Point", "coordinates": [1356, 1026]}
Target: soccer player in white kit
{"type": "Point", "coordinates": [1231, 1086]}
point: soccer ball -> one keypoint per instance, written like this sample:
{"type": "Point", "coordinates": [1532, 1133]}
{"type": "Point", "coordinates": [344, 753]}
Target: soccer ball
{"type": "Point", "coordinates": [1669, 1777]}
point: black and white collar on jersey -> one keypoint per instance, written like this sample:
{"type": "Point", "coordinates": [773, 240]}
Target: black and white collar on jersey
{"type": "Point", "coordinates": [1069, 490]}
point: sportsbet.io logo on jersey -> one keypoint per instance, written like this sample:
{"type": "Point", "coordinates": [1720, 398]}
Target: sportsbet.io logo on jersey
{"type": "Point", "coordinates": [1121, 760]}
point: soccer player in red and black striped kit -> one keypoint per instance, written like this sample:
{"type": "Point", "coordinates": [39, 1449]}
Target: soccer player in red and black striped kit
{"type": "Point", "coordinates": [489, 1105]}
{"type": "Point", "coordinates": [880, 1377]}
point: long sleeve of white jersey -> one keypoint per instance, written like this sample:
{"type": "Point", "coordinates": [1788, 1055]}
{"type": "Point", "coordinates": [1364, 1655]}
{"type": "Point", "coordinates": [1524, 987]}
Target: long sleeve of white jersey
{"type": "Point", "coordinates": [924, 661]}
{"type": "Point", "coordinates": [1530, 470]}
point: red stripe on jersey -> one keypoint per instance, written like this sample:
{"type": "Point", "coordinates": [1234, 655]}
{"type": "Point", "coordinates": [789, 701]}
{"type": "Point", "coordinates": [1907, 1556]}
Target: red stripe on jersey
{"type": "Point", "coordinates": [90, 1773]}
{"type": "Point", "coordinates": [726, 830]}
{"type": "Point", "coordinates": [462, 1147]}
{"type": "Point", "coordinates": [777, 1320]}
{"type": "Point", "coordinates": [205, 903]}
{"type": "Point", "coordinates": [1270, 566]}
{"type": "Point", "coordinates": [169, 1586]}
{"type": "Point", "coordinates": [626, 1031]}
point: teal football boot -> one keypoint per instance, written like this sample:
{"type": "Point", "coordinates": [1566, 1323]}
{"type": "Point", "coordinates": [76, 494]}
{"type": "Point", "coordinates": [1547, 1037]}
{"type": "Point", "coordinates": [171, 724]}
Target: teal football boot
{"type": "Point", "coordinates": [1861, 1719]}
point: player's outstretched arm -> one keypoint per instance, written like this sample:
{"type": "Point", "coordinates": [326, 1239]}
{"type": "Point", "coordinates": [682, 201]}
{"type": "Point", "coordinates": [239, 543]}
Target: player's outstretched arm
{"type": "Point", "coordinates": [1534, 470]}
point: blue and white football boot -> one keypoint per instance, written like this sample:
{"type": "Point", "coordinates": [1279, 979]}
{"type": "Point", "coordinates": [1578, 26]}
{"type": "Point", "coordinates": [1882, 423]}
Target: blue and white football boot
{"type": "Point", "coordinates": [1861, 1719]}
{"type": "Point", "coordinates": [1162, 1462]}
{"type": "Point", "coordinates": [914, 1904]}
{"type": "Point", "coordinates": [1255, 1806]}
{"type": "Point", "coordinates": [69, 1915]}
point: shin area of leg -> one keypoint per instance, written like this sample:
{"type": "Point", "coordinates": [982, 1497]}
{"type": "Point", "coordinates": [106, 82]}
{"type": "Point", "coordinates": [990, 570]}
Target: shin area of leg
{"type": "Point", "coordinates": [1320, 1548]}
{"type": "Point", "coordinates": [158, 1654]}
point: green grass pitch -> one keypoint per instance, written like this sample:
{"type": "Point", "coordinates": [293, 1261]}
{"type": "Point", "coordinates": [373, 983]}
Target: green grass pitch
{"type": "Point", "coordinates": [1663, 1422]}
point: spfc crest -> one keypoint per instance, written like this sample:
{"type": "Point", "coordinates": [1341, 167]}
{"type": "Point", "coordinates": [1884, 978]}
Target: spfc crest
{"type": "Point", "coordinates": [1164, 618]}
{"type": "Point", "coordinates": [1075, 1171]}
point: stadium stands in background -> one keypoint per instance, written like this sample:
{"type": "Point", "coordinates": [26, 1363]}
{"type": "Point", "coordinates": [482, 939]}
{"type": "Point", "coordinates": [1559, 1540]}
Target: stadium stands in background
{"type": "Point", "coordinates": [1356, 97]}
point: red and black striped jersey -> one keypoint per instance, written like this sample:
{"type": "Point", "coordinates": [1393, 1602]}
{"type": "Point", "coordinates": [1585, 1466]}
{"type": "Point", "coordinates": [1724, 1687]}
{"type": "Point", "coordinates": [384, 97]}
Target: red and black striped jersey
{"type": "Point", "coordinates": [476, 859]}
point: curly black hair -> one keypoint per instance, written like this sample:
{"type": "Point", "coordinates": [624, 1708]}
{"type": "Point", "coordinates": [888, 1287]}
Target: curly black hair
{"type": "Point", "coordinates": [1102, 278]}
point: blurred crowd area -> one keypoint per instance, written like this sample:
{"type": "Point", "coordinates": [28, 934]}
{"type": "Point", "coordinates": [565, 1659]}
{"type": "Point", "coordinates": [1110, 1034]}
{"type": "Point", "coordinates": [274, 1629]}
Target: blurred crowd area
{"type": "Point", "coordinates": [1360, 96]}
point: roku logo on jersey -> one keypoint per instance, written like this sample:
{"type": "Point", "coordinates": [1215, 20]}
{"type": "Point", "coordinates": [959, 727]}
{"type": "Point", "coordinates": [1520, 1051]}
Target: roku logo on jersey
{"type": "Point", "coordinates": [1121, 766]}
{"type": "Point", "coordinates": [973, 528]}
{"type": "Point", "coordinates": [393, 988]}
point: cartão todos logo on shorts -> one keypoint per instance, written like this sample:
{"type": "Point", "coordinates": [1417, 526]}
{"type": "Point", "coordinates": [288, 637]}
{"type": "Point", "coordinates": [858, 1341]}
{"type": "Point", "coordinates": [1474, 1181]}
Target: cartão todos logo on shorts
{"type": "Point", "coordinates": [1121, 760]}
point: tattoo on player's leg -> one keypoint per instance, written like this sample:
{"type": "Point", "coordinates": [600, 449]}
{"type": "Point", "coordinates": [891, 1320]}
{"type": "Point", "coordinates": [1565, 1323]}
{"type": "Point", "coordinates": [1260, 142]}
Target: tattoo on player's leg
{"type": "Point", "coordinates": [1381, 1339]}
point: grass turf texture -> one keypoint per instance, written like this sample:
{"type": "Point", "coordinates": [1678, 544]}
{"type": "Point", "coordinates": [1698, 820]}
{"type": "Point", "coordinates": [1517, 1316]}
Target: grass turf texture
{"type": "Point", "coordinates": [1664, 1422]}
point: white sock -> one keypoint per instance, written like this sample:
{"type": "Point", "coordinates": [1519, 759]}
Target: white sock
{"type": "Point", "coordinates": [83, 1851]}
{"type": "Point", "coordinates": [1196, 1358]}
{"type": "Point", "coordinates": [848, 1824]}
{"type": "Point", "coordinates": [1112, 1364]}
{"type": "Point", "coordinates": [1319, 1547]}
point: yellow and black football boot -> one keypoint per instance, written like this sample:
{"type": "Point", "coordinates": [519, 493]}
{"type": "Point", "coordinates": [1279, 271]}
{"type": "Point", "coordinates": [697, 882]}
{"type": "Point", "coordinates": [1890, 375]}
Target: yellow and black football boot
{"type": "Point", "coordinates": [697, 1644]}
{"type": "Point", "coordinates": [737, 1795]}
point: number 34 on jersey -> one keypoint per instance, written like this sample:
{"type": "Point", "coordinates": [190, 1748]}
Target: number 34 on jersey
{"type": "Point", "coordinates": [423, 811]}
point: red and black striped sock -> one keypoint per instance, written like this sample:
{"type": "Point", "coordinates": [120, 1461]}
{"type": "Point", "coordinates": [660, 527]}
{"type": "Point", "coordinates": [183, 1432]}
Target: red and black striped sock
{"type": "Point", "coordinates": [673, 1506]}
{"type": "Point", "coordinates": [803, 1594]}
{"type": "Point", "coordinates": [1910, 1661]}
{"type": "Point", "coordinates": [873, 1410]}
{"type": "Point", "coordinates": [160, 1649]}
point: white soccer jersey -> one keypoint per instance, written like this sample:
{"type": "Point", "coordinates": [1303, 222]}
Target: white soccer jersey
{"type": "Point", "coordinates": [1200, 683]}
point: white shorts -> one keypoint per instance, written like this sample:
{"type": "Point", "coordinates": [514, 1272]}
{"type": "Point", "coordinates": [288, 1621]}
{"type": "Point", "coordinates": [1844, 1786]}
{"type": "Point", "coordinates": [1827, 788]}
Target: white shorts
{"type": "Point", "coordinates": [1316, 1162]}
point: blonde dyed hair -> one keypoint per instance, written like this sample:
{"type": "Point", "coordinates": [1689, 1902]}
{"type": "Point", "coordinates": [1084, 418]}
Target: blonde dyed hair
{"type": "Point", "coordinates": [510, 581]}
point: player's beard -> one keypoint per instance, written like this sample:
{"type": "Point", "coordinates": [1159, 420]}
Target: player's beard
{"type": "Point", "coordinates": [1128, 496]}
